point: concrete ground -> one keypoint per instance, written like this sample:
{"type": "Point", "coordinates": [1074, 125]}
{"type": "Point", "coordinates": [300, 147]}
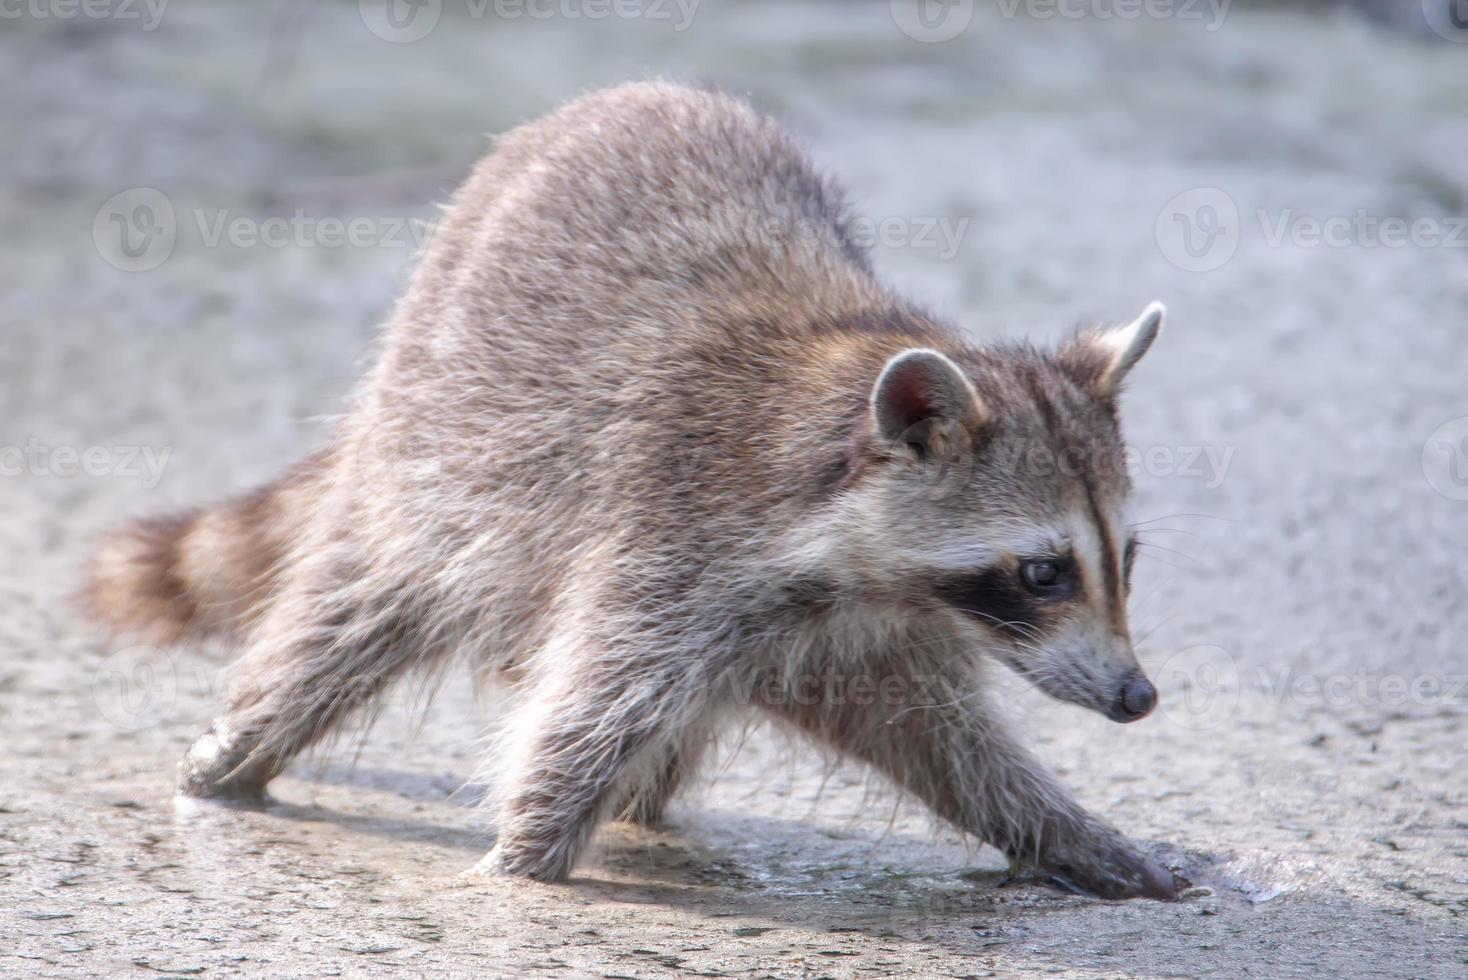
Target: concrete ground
{"type": "Point", "coordinates": [1292, 186]}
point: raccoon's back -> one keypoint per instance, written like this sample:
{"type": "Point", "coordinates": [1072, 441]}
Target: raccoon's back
{"type": "Point", "coordinates": [616, 235]}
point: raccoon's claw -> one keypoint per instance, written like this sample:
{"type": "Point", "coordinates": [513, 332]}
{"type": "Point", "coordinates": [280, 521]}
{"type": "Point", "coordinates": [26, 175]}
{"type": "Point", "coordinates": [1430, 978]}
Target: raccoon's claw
{"type": "Point", "coordinates": [1138, 877]}
{"type": "Point", "coordinates": [1111, 870]}
{"type": "Point", "coordinates": [1158, 882]}
{"type": "Point", "coordinates": [1146, 880]}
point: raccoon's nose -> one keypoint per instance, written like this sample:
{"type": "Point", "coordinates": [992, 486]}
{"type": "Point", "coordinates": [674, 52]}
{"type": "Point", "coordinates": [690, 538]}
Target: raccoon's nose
{"type": "Point", "coordinates": [1136, 699]}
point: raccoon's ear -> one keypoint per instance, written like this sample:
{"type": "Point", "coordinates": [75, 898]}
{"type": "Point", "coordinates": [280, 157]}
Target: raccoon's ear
{"type": "Point", "coordinates": [922, 396]}
{"type": "Point", "coordinates": [1101, 359]}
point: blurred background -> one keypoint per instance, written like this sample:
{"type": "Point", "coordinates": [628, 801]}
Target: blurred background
{"type": "Point", "coordinates": [207, 208]}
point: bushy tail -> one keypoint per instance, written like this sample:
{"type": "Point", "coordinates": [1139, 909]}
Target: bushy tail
{"type": "Point", "coordinates": [203, 572]}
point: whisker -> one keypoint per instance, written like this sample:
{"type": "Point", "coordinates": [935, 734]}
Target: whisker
{"type": "Point", "coordinates": [1153, 629]}
{"type": "Point", "coordinates": [1166, 530]}
{"type": "Point", "coordinates": [1162, 547]}
{"type": "Point", "coordinates": [1168, 517]}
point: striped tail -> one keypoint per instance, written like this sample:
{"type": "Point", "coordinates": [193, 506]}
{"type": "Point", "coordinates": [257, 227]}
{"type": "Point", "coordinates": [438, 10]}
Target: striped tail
{"type": "Point", "coordinates": [205, 572]}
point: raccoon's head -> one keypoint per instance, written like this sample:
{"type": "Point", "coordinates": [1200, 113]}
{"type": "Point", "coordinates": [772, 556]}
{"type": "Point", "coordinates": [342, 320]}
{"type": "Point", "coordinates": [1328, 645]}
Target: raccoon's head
{"type": "Point", "coordinates": [995, 494]}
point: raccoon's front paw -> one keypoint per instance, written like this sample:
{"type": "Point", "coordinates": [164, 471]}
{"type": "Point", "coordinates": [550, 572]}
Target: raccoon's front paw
{"type": "Point", "coordinates": [1109, 867]}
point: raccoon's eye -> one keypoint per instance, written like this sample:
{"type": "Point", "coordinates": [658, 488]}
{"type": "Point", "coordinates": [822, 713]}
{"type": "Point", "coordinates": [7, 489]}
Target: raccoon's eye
{"type": "Point", "coordinates": [1049, 577]}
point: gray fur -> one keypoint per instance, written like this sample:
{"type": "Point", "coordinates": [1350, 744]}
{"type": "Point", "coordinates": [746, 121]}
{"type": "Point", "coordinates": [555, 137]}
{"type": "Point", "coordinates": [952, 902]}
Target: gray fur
{"type": "Point", "coordinates": [618, 450]}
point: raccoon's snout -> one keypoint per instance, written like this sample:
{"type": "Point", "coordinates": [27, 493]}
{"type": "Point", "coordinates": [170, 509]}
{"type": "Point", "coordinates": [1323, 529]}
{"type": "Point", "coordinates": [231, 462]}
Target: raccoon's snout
{"type": "Point", "coordinates": [1135, 698]}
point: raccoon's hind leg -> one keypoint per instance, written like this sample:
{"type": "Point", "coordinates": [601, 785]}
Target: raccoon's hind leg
{"type": "Point", "coordinates": [322, 653]}
{"type": "Point", "coordinates": [597, 718]}
{"type": "Point", "coordinates": [646, 801]}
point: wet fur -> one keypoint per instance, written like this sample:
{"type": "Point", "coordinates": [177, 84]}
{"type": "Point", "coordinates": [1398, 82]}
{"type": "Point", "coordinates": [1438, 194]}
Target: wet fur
{"type": "Point", "coordinates": [617, 451]}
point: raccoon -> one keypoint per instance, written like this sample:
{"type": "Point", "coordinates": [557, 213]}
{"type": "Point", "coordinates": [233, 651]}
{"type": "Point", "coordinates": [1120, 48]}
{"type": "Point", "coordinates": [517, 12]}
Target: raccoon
{"type": "Point", "coordinates": [647, 441]}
